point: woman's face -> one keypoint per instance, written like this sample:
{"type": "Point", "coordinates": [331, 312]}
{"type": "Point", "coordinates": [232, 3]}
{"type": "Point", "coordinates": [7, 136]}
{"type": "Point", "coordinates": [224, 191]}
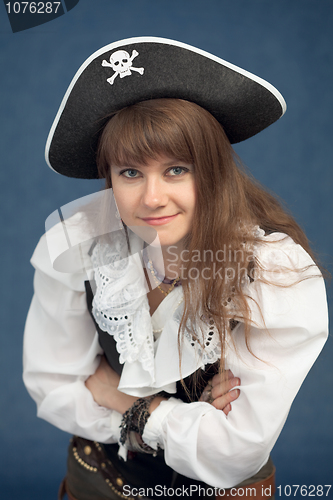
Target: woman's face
{"type": "Point", "coordinates": [160, 194]}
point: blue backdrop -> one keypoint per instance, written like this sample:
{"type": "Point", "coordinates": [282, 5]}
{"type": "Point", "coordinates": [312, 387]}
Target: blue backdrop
{"type": "Point", "coordinates": [287, 42]}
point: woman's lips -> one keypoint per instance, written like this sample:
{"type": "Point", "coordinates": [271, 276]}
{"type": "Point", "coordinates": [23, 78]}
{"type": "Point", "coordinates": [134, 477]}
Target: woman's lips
{"type": "Point", "coordinates": [158, 221]}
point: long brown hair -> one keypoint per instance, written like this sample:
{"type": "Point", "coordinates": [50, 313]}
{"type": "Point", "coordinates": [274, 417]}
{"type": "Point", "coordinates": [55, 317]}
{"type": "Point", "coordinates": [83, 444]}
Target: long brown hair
{"type": "Point", "coordinates": [229, 204]}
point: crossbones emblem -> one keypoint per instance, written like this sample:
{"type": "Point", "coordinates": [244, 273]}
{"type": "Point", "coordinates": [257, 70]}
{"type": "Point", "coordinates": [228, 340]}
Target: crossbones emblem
{"type": "Point", "coordinates": [121, 63]}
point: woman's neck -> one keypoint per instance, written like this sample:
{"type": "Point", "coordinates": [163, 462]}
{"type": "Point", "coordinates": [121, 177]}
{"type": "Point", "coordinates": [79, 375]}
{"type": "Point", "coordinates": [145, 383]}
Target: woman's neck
{"type": "Point", "coordinates": [167, 262]}
{"type": "Point", "coordinates": [172, 261]}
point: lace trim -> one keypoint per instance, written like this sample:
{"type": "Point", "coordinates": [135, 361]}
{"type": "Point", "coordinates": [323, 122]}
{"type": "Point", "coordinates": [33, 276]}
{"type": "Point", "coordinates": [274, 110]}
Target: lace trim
{"type": "Point", "coordinates": [120, 305]}
{"type": "Point", "coordinates": [208, 349]}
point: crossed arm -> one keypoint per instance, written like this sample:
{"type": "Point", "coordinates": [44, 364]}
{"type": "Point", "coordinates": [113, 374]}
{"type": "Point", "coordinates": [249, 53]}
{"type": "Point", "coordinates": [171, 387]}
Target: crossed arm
{"type": "Point", "coordinates": [104, 382]}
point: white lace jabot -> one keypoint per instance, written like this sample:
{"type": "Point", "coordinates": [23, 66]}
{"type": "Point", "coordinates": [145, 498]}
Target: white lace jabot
{"type": "Point", "coordinates": [121, 308]}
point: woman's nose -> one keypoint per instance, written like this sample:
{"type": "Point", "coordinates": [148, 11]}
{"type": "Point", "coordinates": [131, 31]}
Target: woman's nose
{"type": "Point", "coordinates": [154, 194]}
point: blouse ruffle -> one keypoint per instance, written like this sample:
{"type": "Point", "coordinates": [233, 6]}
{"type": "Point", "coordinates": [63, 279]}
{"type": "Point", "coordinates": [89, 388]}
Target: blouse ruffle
{"type": "Point", "coordinates": [120, 308]}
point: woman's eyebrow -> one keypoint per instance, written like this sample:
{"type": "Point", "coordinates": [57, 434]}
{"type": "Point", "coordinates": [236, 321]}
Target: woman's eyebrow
{"type": "Point", "coordinates": [165, 164]}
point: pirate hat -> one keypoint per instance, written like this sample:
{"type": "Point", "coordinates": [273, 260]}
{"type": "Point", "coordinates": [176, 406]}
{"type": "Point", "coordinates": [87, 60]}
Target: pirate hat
{"type": "Point", "coordinates": [138, 69]}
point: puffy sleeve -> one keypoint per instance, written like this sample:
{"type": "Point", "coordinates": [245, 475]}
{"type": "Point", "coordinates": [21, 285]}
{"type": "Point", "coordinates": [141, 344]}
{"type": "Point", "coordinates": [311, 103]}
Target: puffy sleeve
{"type": "Point", "coordinates": [289, 326]}
{"type": "Point", "coordinates": [61, 350]}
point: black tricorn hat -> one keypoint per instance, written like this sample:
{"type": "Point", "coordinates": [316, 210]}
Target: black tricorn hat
{"type": "Point", "coordinates": [138, 69]}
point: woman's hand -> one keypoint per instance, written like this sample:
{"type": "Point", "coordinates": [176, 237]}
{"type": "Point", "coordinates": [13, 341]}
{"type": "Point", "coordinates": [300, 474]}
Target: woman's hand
{"type": "Point", "coordinates": [103, 386]}
{"type": "Point", "coordinates": [219, 391]}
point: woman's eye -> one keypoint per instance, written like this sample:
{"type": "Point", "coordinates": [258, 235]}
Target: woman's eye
{"type": "Point", "coordinates": [130, 173]}
{"type": "Point", "coordinates": [174, 171]}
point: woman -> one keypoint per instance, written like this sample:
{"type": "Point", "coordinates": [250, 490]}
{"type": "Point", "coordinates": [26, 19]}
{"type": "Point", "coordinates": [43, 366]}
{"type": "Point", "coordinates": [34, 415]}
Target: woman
{"type": "Point", "coordinates": [202, 284]}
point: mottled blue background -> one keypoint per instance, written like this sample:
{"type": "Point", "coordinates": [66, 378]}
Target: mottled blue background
{"type": "Point", "coordinates": [287, 42]}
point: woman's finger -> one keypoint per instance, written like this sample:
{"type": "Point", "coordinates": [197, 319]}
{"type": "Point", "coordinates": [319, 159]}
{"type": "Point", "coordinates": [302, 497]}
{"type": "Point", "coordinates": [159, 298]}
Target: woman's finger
{"type": "Point", "coordinates": [223, 402]}
{"type": "Point", "coordinates": [224, 387]}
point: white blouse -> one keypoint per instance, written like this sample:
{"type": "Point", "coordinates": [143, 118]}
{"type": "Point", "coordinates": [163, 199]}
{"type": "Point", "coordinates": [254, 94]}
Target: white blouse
{"type": "Point", "coordinates": [61, 350]}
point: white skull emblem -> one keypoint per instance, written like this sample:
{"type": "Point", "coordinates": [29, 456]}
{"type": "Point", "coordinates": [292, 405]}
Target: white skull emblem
{"type": "Point", "coordinates": [121, 63]}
